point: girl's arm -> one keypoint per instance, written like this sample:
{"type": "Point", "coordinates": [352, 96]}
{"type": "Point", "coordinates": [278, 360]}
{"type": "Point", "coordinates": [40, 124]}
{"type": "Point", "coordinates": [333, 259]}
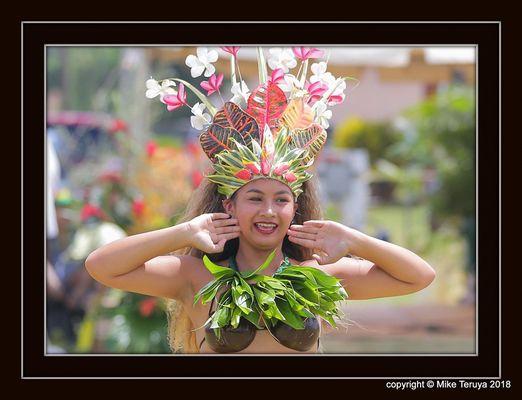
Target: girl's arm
{"type": "Point", "coordinates": [385, 269]}
{"type": "Point", "coordinates": [138, 263]}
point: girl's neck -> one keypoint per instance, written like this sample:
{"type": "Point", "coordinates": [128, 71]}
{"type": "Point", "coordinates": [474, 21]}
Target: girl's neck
{"type": "Point", "coordinates": [248, 258]}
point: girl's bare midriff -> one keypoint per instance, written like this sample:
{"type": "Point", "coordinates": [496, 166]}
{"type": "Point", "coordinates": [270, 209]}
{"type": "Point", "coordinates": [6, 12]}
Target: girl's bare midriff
{"type": "Point", "coordinates": [263, 342]}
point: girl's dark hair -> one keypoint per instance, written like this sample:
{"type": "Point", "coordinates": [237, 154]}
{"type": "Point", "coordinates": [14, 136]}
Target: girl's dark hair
{"type": "Point", "coordinates": [206, 199]}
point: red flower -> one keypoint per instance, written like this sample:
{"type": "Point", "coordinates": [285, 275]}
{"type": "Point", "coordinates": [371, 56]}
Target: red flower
{"type": "Point", "coordinates": [197, 177]}
{"type": "Point", "coordinates": [174, 101]}
{"type": "Point", "coordinates": [193, 148]}
{"type": "Point", "coordinates": [117, 125]}
{"type": "Point", "coordinates": [304, 53]}
{"type": "Point", "coordinates": [290, 177]}
{"type": "Point", "coordinates": [213, 84]}
{"type": "Point", "coordinates": [151, 148]}
{"type": "Point", "coordinates": [231, 50]}
{"type": "Point", "coordinates": [89, 211]}
{"type": "Point", "coordinates": [244, 174]}
{"type": "Point", "coordinates": [281, 169]}
{"type": "Point", "coordinates": [138, 206]}
{"type": "Point", "coordinates": [147, 306]}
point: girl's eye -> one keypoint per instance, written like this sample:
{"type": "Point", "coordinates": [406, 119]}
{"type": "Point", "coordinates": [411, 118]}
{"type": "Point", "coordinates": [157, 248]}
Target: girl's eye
{"type": "Point", "coordinates": [259, 199]}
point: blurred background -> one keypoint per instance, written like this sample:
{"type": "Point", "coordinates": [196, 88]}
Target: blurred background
{"type": "Point", "coordinates": [402, 143]}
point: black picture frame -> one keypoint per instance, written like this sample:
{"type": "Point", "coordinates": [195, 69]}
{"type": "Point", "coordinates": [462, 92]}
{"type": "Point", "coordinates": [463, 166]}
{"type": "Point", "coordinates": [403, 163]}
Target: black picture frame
{"type": "Point", "coordinates": [486, 35]}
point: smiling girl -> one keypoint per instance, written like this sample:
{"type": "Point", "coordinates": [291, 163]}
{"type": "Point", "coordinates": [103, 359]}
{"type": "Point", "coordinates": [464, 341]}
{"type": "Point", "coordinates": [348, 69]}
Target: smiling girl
{"type": "Point", "coordinates": [259, 207]}
{"type": "Point", "coordinates": [244, 230]}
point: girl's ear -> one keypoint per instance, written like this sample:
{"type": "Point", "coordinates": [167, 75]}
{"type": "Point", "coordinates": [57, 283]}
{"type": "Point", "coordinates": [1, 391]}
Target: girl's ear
{"type": "Point", "coordinates": [227, 205]}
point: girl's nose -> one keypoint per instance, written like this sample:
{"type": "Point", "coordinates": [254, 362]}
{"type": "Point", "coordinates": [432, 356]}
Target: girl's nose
{"type": "Point", "coordinates": [268, 209]}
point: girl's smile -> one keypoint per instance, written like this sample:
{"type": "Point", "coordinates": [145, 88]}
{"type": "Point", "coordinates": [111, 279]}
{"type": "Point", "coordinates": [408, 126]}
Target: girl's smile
{"type": "Point", "coordinates": [264, 209]}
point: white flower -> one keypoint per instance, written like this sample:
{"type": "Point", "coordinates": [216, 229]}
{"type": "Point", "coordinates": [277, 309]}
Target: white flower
{"type": "Point", "coordinates": [281, 58]}
{"type": "Point", "coordinates": [199, 120]}
{"type": "Point", "coordinates": [336, 87]}
{"type": "Point", "coordinates": [202, 63]}
{"type": "Point", "coordinates": [319, 72]}
{"type": "Point", "coordinates": [293, 86]}
{"type": "Point", "coordinates": [322, 115]}
{"type": "Point", "coordinates": [291, 83]}
{"type": "Point", "coordinates": [240, 92]}
{"type": "Point", "coordinates": [154, 88]}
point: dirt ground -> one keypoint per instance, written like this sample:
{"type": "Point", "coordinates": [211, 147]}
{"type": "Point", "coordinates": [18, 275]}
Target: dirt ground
{"type": "Point", "coordinates": [392, 328]}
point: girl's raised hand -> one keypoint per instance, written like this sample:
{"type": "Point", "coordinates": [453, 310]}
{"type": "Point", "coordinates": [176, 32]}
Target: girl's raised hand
{"type": "Point", "coordinates": [329, 240]}
{"type": "Point", "coordinates": [210, 232]}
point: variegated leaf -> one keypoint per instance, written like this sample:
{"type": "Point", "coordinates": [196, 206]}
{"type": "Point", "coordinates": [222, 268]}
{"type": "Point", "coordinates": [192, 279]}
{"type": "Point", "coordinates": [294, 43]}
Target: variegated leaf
{"type": "Point", "coordinates": [312, 138]}
{"type": "Point", "coordinates": [231, 116]}
{"type": "Point", "coordinates": [298, 115]}
{"type": "Point", "coordinates": [217, 138]}
{"type": "Point", "coordinates": [266, 104]}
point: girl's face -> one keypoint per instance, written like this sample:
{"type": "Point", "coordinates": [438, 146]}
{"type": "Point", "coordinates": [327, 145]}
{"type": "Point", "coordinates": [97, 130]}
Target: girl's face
{"type": "Point", "coordinates": [264, 209]}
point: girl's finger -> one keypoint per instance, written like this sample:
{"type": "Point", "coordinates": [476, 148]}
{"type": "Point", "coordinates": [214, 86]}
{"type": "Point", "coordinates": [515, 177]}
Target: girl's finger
{"type": "Point", "coordinates": [224, 222]}
{"type": "Point", "coordinates": [228, 236]}
{"type": "Point", "coordinates": [303, 242]}
{"type": "Point", "coordinates": [216, 216]}
{"type": "Point", "coordinates": [303, 235]}
{"type": "Point", "coordinates": [314, 222]}
{"type": "Point", "coordinates": [228, 229]}
{"type": "Point", "coordinates": [308, 228]}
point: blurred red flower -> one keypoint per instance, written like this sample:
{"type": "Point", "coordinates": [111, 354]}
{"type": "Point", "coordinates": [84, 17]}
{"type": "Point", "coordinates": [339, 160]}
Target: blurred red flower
{"type": "Point", "coordinates": [197, 177]}
{"type": "Point", "coordinates": [89, 211]}
{"type": "Point", "coordinates": [151, 148]}
{"type": "Point", "coordinates": [147, 306]}
{"type": "Point", "coordinates": [138, 206]}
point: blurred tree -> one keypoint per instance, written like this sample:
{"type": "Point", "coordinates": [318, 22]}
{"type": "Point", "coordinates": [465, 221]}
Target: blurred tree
{"type": "Point", "coordinates": [86, 76]}
{"type": "Point", "coordinates": [375, 137]}
{"type": "Point", "coordinates": [445, 140]}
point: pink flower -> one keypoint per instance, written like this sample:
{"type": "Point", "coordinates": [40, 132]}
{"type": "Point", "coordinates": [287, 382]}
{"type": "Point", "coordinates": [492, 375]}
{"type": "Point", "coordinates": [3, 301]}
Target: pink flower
{"type": "Point", "coordinates": [147, 306]}
{"type": "Point", "coordinates": [213, 84]}
{"type": "Point", "coordinates": [277, 75]}
{"type": "Point", "coordinates": [316, 90]}
{"type": "Point", "coordinates": [281, 169]}
{"type": "Point", "coordinates": [231, 50]}
{"type": "Point", "coordinates": [290, 177]}
{"type": "Point", "coordinates": [174, 101]}
{"type": "Point", "coordinates": [244, 174]}
{"type": "Point", "coordinates": [304, 53]}
{"type": "Point", "coordinates": [151, 148]}
{"type": "Point", "coordinates": [333, 100]}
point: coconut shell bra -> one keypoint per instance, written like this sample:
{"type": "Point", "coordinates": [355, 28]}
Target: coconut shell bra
{"type": "Point", "coordinates": [234, 340]}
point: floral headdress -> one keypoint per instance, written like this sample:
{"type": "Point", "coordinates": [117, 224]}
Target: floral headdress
{"type": "Point", "coordinates": [274, 131]}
